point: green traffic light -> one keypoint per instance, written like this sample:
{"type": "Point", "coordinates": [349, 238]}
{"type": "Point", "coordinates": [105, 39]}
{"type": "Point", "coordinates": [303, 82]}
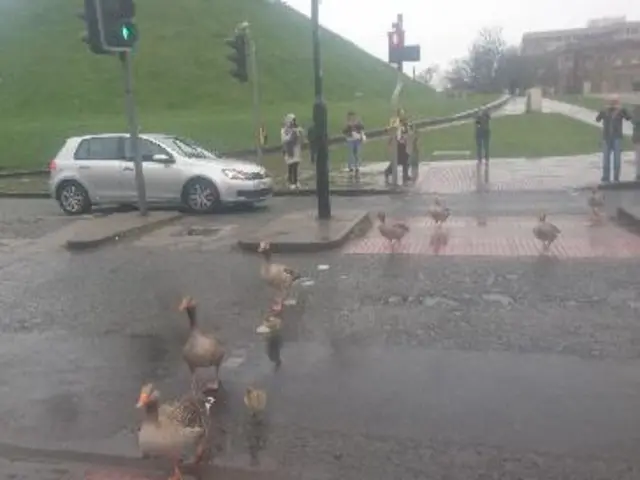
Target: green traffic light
{"type": "Point", "coordinates": [126, 32]}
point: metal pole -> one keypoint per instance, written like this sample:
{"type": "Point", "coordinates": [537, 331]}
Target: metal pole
{"type": "Point", "coordinates": [257, 120]}
{"type": "Point", "coordinates": [320, 121]}
{"type": "Point", "coordinates": [395, 105]}
{"type": "Point", "coordinates": [125, 59]}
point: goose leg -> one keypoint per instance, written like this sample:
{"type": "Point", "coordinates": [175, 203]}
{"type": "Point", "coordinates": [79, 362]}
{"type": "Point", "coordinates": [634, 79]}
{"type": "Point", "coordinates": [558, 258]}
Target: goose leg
{"type": "Point", "coordinates": [177, 475]}
{"type": "Point", "coordinates": [194, 383]}
{"type": "Point", "coordinates": [200, 451]}
{"type": "Point", "coordinates": [217, 383]}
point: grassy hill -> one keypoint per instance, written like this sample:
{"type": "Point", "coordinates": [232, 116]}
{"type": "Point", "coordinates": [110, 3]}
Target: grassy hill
{"type": "Point", "coordinates": [52, 87]}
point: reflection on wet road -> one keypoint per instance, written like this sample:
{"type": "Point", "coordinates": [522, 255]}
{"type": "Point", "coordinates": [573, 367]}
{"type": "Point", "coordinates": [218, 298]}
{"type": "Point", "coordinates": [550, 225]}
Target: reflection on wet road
{"type": "Point", "coordinates": [394, 366]}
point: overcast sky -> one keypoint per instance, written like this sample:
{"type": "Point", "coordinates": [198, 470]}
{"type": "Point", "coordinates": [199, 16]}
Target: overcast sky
{"type": "Point", "coordinates": [445, 28]}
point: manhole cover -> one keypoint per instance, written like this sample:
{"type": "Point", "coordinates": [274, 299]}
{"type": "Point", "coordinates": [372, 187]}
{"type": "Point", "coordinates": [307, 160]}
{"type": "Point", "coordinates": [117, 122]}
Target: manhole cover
{"type": "Point", "coordinates": [202, 231]}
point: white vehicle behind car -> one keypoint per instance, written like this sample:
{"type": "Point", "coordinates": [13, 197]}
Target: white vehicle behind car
{"type": "Point", "coordinates": [99, 170]}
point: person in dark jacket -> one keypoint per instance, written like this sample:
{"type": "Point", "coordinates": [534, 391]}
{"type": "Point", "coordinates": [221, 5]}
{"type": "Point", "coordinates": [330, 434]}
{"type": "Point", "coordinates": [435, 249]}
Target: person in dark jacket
{"type": "Point", "coordinates": [401, 132]}
{"type": "Point", "coordinates": [611, 118]}
{"type": "Point", "coordinates": [483, 135]}
{"type": "Point", "coordinates": [636, 139]}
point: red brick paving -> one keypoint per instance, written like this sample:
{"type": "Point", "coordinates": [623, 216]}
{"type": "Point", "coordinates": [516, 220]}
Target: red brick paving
{"type": "Point", "coordinates": [507, 237]}
{"type": "Point", "coordinates": [552, 173]}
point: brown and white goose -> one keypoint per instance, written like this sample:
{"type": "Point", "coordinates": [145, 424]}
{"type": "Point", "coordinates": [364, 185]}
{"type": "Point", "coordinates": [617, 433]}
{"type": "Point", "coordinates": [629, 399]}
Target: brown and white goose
{"type": "Point", "coordinates": [278, 276]}
{"type": "Point", "coordinates": [546, 232]}
{"type": "Point", "coordinates": [393, 232]}
{"type": "Point", "coordinates": [255, 400]}
{"type": "Point", "coordinates": [202, 350]}
{"type": "Point", "coordinates": [168, 430]}
{"type": "Point", "coordinates": [438, 212]}
{"type": "Point", "coordinates": [271, 329]}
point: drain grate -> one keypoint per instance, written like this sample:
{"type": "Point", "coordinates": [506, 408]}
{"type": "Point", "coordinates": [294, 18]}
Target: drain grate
{"type": "Point", "coordinates": [201, 231]}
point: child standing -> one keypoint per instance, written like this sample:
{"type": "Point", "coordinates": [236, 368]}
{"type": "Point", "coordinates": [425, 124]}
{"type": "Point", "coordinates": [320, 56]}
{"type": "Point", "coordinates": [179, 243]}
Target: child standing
{"type": "Point", "coordinates": [354, 134]}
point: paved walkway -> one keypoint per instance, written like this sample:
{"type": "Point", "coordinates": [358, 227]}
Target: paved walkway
{"type": "Point", "coordinates": [512, 174]}
{"type": "Point", "coordinates": [504, 237]}
{"type": "Point", "coordinates": [578, 113]}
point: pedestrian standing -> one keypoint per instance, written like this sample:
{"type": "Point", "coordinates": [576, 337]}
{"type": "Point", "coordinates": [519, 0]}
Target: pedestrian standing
{"type": "Point", "coordinates": [483, 135]}
{"type": "Point", "coordinates": [355, 136]}
{"type": "Point", "coordinates": [611, 118]}
{"type": "Point", "coordinates": [636, 139]}
{"type": "Point", "coordinates": [401, 135]}
{"type": "Point", "coordinates": [292, 137]}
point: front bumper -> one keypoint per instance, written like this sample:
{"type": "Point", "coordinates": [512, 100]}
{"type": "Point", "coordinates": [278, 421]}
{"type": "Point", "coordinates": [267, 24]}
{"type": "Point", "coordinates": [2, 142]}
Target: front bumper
{"type": "Point", "coordinates": [246, 191]}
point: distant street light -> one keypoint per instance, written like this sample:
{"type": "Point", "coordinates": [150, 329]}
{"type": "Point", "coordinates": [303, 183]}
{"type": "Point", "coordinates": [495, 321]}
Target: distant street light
{"type": "Point", "coordinates": [320, 121]}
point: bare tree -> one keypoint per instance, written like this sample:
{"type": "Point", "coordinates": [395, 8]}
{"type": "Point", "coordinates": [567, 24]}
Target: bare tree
{"type": "Point", "coordinates": [493, 66]}
{"type": "Point", "coordinates": [458, 77]}
{"type": "Point", "coordinates": [485, 56]}
{"type": "Point", "coordinates": [428, 74]}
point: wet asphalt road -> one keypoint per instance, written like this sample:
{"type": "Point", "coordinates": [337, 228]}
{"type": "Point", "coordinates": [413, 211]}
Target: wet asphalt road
{"type": "Point", "coordinates": [401, 366]}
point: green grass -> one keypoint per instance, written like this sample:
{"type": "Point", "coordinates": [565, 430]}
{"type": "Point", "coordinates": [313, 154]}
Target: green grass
{"type": "Point", "coordinates": [531, 135]}
{"type": "Point", "coordinates": [52, 87]}
{"type": "Point", "coordinates": [514, 136]}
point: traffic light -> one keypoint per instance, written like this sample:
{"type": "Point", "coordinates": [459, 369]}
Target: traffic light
{"type": "Point", "coordinates": [92, 35]}
{"type": "Point", "coordinates": [396, 45]}
{"type": "Point", "coordinates": [110, 26]}
{"type": "Point", "coordinates": [238, 56]}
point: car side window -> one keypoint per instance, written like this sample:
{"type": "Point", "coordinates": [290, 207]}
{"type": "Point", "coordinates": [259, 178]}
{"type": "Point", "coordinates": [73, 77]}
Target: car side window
{"type": "Point", "coordinates": [103, 148]}
{"type": "Point", "coordinates": [147, 149]}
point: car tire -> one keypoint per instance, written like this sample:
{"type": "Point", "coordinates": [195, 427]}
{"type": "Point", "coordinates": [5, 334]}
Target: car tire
{"type": "Point", "coordinates": [73, 198]}
{"type": "Point", "coordinates": [200, 195]}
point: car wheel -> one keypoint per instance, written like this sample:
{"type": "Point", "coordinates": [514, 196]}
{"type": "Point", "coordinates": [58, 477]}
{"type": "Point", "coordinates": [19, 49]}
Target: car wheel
{"type": "Point", "coordinates": [73, 198]}
{"type": "Point", "coordinates": [200, 196]}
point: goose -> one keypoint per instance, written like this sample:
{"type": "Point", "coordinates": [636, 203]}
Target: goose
{"type": "Point", "coordinates": [201, 350]}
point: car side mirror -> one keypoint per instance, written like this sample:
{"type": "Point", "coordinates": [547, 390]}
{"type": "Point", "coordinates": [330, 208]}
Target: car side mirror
{"type": "Point", "coordinates": [162, 158]}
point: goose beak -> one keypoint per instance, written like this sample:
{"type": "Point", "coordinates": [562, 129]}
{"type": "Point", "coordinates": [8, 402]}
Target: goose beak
{"type": "Point", "coordinates": [143, 400]}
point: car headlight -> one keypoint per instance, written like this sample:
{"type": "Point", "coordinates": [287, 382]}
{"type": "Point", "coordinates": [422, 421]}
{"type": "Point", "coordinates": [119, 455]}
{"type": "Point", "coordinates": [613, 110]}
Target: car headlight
{"type": "Point", "coordinates": [234, 174]}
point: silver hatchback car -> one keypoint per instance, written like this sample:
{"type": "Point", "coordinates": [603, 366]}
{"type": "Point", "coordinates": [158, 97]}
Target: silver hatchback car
{"type": "Point", "coordinates": [99, 169]}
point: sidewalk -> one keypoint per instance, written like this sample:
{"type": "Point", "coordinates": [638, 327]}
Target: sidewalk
{"type": "Point", "coordinates": [513, 174]}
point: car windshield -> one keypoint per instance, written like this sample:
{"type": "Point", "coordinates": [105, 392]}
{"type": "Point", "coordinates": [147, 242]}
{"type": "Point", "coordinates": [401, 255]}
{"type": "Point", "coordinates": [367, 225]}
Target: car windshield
{"type": "Point", "coordinates": [189, 148]}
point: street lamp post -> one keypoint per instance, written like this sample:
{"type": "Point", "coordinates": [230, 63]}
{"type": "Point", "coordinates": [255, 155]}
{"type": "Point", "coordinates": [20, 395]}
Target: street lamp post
{"type": "Point", "coordinates": [320, 122]}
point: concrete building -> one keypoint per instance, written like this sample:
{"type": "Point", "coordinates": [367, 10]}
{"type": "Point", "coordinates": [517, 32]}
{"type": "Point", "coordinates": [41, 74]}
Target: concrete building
{"type": "Point", "coordinates": [603, 57]}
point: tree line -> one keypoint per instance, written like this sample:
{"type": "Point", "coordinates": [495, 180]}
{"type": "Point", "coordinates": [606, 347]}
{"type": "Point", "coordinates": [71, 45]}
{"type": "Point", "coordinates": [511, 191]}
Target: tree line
{"type": "Point", "coordinates": [493, 66]}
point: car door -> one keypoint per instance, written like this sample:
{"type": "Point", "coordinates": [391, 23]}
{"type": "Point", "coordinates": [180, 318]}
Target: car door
{"type": "Point", "coordinates": [163, 180]}
{"type": "Point", "coordinates": [99, 162]}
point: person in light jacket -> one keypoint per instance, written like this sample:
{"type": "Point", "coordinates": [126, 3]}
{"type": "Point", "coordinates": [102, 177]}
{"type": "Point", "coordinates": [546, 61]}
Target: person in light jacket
{"type": "Point", "coordinates": [292, 137]}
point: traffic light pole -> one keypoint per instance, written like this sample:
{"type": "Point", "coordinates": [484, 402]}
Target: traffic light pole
{"type": "Point", "coordinates": [257, 120]}
{"type": "Point", "coordinates": [320, 122]}
{"type": "Point", "coordinates": [395, 105]}
{"type": "Point", "coordinates": [125, 59]}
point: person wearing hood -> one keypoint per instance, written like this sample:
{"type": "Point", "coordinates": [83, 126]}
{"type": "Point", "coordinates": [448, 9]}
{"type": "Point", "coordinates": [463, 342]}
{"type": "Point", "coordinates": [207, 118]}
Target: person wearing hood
{"type": "Point", "coordinates": [292, 137]}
